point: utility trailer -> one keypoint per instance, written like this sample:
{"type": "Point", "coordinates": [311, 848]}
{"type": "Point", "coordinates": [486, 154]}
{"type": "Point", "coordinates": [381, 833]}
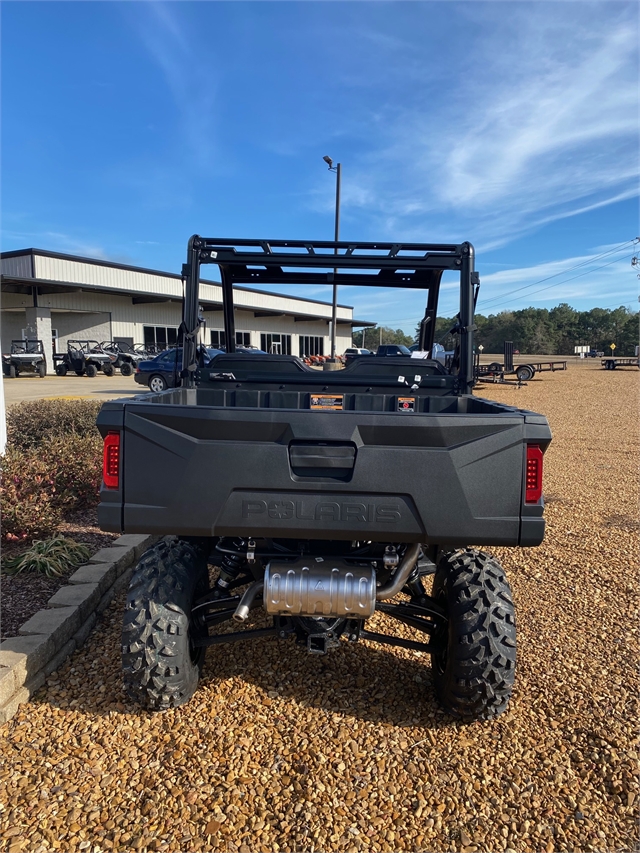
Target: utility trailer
{"type": "Point", "coordinates": [25, 356]}
{"type": "Point", "coordinates": [611, 363]}
{"type": "Point", "coordinates": [523, 371]}
{"type": "Point", "coordinates": [324, 498]}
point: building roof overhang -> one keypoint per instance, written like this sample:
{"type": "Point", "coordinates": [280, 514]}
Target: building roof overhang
{"type": "Point", "coordinates": [25, 286]}
{"type": "Point", "coordinates": [99, 262]}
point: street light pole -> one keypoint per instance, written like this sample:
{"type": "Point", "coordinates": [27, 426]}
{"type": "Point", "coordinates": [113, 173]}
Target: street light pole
{"type": "Point", "coordinates": [334, 307]}
{"type": "Point", "coordinates": [334, 303]}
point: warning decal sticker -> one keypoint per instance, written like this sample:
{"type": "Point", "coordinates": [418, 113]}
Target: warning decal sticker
{"type": "Point", "coordinates": [322, 401]}
{"type": "Point", "coordinates": [406, 404]}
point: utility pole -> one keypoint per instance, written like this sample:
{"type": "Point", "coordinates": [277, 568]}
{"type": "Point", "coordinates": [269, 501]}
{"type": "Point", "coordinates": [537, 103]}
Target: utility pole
{"type": "Point", "coordinates": [334, 304]}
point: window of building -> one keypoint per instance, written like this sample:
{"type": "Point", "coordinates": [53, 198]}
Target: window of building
{"type": "Point", "coordinates": [243, 339]}
{"type": "Point", "coordinates": [160, 337]}
{"type": "Point", "coordinates": [280, 344]}
{"type": "Point", "coordinates": [217, 339]}
{"type": "Point", "coordinates": [311, 345]}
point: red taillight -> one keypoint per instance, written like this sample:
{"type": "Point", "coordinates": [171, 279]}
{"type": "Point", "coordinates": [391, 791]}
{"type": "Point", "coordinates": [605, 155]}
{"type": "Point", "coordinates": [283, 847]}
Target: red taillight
{"type": "Point", "coordinates": [111, 460]}
{"type": "Point", "coordinates": [534, 474]}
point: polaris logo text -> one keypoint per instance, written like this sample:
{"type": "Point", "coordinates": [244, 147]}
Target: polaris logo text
{"type": "Point", "coordinates": [360, 513]}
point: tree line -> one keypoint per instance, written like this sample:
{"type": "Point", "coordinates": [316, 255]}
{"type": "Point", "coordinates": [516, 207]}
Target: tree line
{"type": "Point", "coordinates": [536, 331]}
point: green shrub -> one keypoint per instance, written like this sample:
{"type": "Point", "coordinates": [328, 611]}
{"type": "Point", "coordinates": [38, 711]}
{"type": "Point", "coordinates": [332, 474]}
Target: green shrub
{"type": "Point", "coordinates": [53, 464]}
{"type": "Point", "coordinates": [29, 424]}
{"type": "Point", "coordinates": [76, 466]}
{"type": "Point", "coordinates": [28, 491]}
{"type": "Point", "coordinates": [53, 557]}
{"type": "Point", "coordinates": [39, 484]}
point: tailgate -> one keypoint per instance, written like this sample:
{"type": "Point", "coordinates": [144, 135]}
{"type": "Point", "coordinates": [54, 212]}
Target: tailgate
{"type": "Point", "coordinates": [444, 478]}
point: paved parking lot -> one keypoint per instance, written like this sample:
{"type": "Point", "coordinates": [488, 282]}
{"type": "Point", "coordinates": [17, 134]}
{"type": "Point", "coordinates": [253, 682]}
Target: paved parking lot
{"type": "Point", "coordinates": [72, 387]}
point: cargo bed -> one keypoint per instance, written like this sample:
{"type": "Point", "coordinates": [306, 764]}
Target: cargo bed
{"type": "Point", "coordinates": [219, 461]}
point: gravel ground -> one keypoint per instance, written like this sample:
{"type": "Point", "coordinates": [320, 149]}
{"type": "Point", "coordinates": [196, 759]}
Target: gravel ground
{"type": "Point", "coordinates": [279, 751]}
{"type": "Point", "coordinates": [23, 595]}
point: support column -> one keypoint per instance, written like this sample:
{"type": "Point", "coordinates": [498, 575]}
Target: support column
{"type": "Point", "coordinates": [39, 327]}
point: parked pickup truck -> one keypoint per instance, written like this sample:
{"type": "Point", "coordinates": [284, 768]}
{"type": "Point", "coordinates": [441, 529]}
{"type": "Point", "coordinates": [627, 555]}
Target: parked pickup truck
{"type": "Point", "coordinates": [387, 350]}
{"type": "Point", "coordinates": [323, 498]}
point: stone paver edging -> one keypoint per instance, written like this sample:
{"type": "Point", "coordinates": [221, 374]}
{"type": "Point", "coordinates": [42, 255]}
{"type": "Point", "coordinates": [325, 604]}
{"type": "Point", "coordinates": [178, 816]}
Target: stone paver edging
{"type": "Point", "coordinates": [51, 635]}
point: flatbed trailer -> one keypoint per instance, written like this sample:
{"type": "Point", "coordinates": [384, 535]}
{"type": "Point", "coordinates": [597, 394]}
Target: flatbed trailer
{"type": "Point", "coordinates": [540, 366]}
{"type": "Point", "coordinates": [612, 363]}
{"type": "Point", "coordinates": [524, 371]}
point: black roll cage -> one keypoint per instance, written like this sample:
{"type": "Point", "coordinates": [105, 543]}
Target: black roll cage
{"type": "Point", "coordinates": [345, 263]}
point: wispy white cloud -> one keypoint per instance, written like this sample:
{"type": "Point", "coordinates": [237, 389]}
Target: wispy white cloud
{"type": "Point", "coordinates": [582, 281]}
{"type": "Point", "coordinates": [561, 107]}
{"type": "Point", "coordinates": [543, 127]}
{"type": "Point", "coordinates": [55, 240]}
{"type": "Point", "coordinates": [594, 278]}
{"type": "Point", "coordinates": [191, 81]}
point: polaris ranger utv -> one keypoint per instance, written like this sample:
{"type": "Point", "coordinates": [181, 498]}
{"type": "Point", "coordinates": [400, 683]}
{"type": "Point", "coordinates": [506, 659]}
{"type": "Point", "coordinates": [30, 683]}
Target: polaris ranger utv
{"type": "Point", "coordinates": [85, 358]}
{"type": "Point", "coordinates": [125, 356]}
{"type": "Point", "coordinates": [328, 497]}
{"type": "Point", "coordinates": [25, 356]}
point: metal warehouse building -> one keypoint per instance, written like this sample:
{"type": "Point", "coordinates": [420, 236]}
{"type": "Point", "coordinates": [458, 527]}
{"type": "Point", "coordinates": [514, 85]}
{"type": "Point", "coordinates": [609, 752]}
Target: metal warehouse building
{"type": "Point", "coordinates": [56, 297]}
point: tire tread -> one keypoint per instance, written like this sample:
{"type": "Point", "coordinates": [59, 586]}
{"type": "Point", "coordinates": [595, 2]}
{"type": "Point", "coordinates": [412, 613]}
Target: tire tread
{"type": "Point", "coordinates": [156, 662]}
{"type": "Point", "coordinates": [481, 661]}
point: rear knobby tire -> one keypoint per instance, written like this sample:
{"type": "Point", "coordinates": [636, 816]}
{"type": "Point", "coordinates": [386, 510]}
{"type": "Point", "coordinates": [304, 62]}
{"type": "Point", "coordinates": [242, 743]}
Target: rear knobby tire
{"type": "Point", "coordinates": [160, 665]}
{"type": "Point", "coordinates": [41, 370]}
{"type": "Point", "coordinates": [126, 369]}
{"type": "Point", "coordinates": [473, 676]}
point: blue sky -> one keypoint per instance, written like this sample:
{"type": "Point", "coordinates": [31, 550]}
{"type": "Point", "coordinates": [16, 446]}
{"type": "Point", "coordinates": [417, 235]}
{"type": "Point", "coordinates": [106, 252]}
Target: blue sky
{"type": "Point", "coordinates": [128, 126]}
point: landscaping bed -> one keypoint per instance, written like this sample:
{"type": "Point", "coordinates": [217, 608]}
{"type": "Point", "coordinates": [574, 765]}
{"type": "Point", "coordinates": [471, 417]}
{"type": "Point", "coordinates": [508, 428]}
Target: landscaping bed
{"type": "Point", "coordinates": [50, 480]}
{"type": "Point", "coordinates": [23, 595]}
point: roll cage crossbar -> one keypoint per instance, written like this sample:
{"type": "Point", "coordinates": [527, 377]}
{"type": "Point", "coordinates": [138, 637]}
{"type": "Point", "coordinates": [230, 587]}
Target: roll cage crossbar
{"type": "Point", "coordinates": [345, 263]}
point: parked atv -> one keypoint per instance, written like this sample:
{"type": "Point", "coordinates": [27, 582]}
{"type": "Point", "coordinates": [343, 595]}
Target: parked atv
{"type": "Point", "coordinates": [126, 358]}
{"type": "Point", "coordinates": [85, 358]}
{"type": "Point", "coordinates": [26, 356]}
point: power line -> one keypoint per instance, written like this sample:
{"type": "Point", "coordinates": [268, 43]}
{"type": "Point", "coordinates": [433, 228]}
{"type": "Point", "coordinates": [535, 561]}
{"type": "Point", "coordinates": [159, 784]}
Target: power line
{"type": "Point", "coordinates": [445, 315]}
{"type": "Point", "coordinates": [567, 280]}
{"type": "Point", "coordinates": [540, 281]}
{"type": "Point", "coordinates": [563, 272]}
